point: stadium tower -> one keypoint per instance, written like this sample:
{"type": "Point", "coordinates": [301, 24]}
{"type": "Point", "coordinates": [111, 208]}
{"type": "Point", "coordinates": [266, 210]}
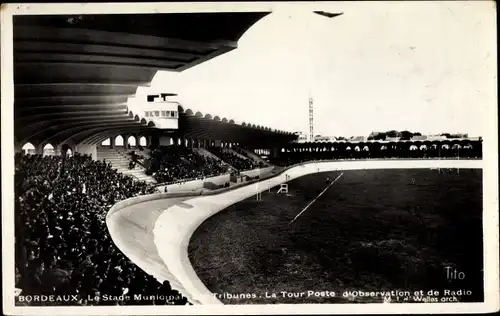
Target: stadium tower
{"type": "Point", "coordinates": [311, 119]}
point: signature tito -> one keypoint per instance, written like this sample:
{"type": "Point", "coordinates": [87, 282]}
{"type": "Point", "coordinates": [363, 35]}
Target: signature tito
{"type": "Point", "coordinates": [454, 274]}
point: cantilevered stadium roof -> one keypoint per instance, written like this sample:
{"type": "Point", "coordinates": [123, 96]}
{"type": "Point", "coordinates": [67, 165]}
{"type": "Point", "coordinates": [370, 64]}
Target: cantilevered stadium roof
{"type": "Point", "coordinates": [74, 74]}
{"type": "Point", "coordinates": [199, 125]}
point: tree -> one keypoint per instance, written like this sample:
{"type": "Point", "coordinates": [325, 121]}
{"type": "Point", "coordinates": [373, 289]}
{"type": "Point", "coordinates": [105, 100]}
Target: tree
{"type": "Point", "coordinates": [393, 133]}
{"type": "Point", "coordinates": [372, 135]}
{"type": "Point", "coordinates": [406, 135]}
{"type": "Point", "coordinates": [377, 136]}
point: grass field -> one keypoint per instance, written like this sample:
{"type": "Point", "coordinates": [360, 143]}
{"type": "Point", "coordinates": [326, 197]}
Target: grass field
{"type": "Point", "coordinates": [373, 230]}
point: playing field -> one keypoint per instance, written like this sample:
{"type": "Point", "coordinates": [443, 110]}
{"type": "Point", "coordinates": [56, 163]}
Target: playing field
{"type": "Point", "coordinates": [373, 230]}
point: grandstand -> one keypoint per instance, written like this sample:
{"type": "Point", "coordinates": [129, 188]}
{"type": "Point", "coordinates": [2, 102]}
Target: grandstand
{"type": "Point", "coordinates": [83, 155]}
{"type": "Point", "coordinates": [73, 76]}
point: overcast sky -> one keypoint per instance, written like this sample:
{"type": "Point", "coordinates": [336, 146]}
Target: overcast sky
{"type": "Point", "coordinates": [423, 67]}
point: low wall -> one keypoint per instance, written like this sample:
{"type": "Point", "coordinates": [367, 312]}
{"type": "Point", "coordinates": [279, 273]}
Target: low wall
{"type": "Point", "coordinates": [216, 182]}
{"type": "Point", "coordinates": [196, 185]}
{"type": "Point", "coordinates": [188, 186]}
{"type": "Point", "coordinates": [257, 172]}
{"type": "Point", "coordinates": [174, 227]}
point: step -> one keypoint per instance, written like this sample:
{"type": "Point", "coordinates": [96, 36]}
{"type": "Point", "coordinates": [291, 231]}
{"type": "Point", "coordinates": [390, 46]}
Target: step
{"type": "Point", "coordinates": [237, 154]}
{"type": "Point", "coordinates": [120, 159]}
{"type": "Point", "coordinates": [136, 173]}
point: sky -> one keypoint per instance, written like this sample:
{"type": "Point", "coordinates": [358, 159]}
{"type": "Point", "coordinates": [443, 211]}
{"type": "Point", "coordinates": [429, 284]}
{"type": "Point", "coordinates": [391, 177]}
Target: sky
{"type": "Point", "coordinates": [424, 67]}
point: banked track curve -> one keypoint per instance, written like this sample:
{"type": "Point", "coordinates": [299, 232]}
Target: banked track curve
{"type": "Point", "coordinates": [154, 231]}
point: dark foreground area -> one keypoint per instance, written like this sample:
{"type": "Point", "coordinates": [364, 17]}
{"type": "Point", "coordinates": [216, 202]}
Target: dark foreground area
{"type": "Point", "coordinates": [385, 233]}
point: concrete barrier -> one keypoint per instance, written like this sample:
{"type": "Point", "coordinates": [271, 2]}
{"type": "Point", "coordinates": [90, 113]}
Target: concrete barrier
{"type": "Point", "coordinates": [195, 185]}
{"type": "Point", "coordinates": [216, 182]}
{"type": "Point", "coordinates": [175, 226]}
{"type": "Point", "coordinates": [188, 186]}
{"type": "Point", "coordinates": [257, 172]}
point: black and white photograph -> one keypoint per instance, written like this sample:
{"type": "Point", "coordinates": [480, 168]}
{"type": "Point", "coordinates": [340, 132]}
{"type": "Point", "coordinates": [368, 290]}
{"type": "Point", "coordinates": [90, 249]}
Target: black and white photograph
{"type": "Point", "coordinates": [229, 158]}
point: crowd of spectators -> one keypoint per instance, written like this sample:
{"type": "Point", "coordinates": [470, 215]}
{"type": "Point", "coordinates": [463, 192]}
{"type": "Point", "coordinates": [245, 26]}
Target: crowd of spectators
{"type": "Point", "coordinates": [175, 163]}
{"type": "Point", "coordinates": [234, 160]}
{"type": "Point", "coordinates": [61, 239]}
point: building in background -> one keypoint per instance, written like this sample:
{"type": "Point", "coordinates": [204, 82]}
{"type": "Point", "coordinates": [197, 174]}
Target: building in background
{"type": "Point", "coordinates": [160, 108]}
{"type": "Point", "coordinates": [301, 137]}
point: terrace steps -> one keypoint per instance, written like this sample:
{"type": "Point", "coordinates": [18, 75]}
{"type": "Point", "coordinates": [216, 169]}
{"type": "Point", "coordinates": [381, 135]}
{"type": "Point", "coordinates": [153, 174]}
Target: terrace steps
{"type": "Point", "coordinates": [119, 159]}
{"type": "Point", "coordinates": [207, 153]}
{"type": "Point", "coordinates": [254, 156]}
{"type": "Point", "coordinates": [234, 152]}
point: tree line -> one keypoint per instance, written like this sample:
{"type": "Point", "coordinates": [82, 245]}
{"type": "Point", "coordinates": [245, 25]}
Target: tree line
{"type": "Point", "coordinates": [407, 135]}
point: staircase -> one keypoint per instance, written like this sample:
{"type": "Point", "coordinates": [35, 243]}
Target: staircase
{"type": "Point", "coordinates": [207, 153]}
{"type": "Point", "coordinates": [126, 152]}
{"type": "Point", "coordinates": [145, 152]}
{"type": "Point", "coordinates": [254, 156]}
{"type": "Point", "coordinates": [234, 152]}
{"type": "Point", "coordinates": [119, 160]}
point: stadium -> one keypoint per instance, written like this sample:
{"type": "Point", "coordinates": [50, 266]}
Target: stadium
{"type": "Point", "coordinates": [125, 195]}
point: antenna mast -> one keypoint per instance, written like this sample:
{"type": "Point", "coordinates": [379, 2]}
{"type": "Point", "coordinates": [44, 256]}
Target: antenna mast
{"type": "Point", "coordinates": [311, 119]}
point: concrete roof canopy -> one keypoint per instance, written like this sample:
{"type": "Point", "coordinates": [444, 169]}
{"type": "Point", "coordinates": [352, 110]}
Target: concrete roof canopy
{"type": "Point", "coordinates": [73, 74]}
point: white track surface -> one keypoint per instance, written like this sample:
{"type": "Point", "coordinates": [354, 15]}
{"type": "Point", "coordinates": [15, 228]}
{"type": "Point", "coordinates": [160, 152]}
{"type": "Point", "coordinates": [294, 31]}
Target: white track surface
{"type": "Point", "coordinates": [155, 234]}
